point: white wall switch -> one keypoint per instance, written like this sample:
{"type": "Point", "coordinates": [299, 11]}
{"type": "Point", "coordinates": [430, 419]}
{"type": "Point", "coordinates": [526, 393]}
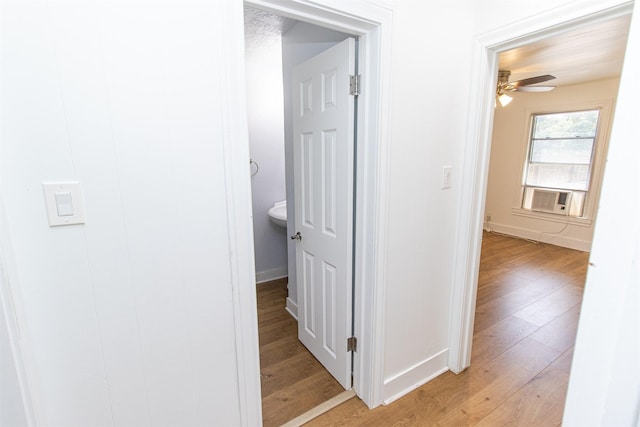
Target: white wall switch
{"type": "Point", "coordinates": [64, 203]}
{"type": "Point", "coordinates": [446, 176]}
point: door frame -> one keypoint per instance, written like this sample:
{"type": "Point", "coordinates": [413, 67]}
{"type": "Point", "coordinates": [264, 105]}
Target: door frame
{"type": "Point", "coordinates": [371, 22]}
{"type": "Point", "coordinates": [475, 170]}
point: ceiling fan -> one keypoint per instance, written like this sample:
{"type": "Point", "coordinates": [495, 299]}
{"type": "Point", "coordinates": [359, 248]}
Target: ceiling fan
{"type": "Point", "coordinates": [523, 85]}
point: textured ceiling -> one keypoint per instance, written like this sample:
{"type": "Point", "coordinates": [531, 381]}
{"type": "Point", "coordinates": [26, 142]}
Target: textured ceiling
{"type": "Point", "coordinates": [587, 54]}
{"type": "Point", "coordinates": [590, 53]}
{"type": "Point", "coordinates": [263, 29]}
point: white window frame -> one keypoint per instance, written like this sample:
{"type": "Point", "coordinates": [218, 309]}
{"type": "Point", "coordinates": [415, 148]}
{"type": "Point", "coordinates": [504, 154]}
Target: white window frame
{"type": "Point", "coordinates": [597, 164]}
{"type": "Point", "coordinates": [528, 163]}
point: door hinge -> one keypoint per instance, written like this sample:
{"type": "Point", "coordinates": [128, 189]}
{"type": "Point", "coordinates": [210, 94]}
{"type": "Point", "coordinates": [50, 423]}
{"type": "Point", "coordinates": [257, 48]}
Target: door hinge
{"type": "Point", "coordinates": [352, 344]}
{"type": "Point", "coordinates": [354, 85]}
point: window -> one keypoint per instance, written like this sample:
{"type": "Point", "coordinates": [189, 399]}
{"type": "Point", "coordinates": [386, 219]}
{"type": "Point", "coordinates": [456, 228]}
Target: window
{"type": "Point", "coordinates": [558, 168]}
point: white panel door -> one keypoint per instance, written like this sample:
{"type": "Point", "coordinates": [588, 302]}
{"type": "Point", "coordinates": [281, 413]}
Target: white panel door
{"type": "Point", "coordinates": [323, 132]}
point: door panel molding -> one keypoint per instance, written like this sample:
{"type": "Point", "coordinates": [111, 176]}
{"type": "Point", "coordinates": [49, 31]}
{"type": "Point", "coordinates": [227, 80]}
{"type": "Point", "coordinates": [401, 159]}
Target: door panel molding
{"type": "Point", "coordinates": [326, 160]}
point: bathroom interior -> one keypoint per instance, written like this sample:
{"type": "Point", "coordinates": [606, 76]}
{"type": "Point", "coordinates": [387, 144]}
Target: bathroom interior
{"type": "Point", "coordinates": [273, 46]}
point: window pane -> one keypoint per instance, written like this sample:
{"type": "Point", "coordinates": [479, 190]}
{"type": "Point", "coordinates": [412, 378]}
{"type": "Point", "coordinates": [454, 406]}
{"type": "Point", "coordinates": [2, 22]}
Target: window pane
{"type": "Point", "coordinates": [562, 151]}
{"type": "Point", "coordinates": [558, 175]}
{"type": "Point", "coordinates": [560, 156]}
{"type": "Point", "coordinates": [566, 125]}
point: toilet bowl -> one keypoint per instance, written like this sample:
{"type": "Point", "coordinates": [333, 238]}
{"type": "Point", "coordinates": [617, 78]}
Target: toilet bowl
{"type": "Point", "coordinates": [278, 214]}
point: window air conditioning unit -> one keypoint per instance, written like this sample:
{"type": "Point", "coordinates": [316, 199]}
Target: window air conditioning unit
{"type": "Point", "coordinates": [550, 201]}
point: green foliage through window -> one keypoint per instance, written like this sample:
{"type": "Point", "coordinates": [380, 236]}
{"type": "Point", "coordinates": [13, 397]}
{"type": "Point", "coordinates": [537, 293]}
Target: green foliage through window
{"type": "Point", "coordinates": [566, 125]}
{"type": "Point", "coordinates": [561, 150]}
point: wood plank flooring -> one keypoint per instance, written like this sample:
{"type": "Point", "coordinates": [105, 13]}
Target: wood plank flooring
{"type": "Point", "coordinates": [527, 311]}
{"type": "Point", "coordinates": [293, 381]}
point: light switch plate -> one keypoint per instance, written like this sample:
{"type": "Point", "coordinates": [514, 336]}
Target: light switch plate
{"type": "Point", "coordinates": [64, 203]}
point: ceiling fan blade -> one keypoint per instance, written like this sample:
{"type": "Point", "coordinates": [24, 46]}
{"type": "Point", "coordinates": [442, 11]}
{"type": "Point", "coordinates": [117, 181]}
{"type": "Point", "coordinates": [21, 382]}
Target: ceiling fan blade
{"type": "Point", "coordinates": [534, 88]}
{"type": "Point", "coordinates": [532, 80]}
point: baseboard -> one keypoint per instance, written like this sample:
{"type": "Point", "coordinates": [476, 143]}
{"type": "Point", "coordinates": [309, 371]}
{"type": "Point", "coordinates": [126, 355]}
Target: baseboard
{"type": "Point", "coordinates": [273, 274]}
{"type": "Point", "coordinates": [292, 308]}
{"type": "Point", "coordinates": [552, 239]}
{"type": "Point", "coordinates": [419, 374]}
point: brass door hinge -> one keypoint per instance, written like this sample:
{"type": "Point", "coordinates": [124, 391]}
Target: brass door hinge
{"type": "Point", "coordinates": [352, 344]}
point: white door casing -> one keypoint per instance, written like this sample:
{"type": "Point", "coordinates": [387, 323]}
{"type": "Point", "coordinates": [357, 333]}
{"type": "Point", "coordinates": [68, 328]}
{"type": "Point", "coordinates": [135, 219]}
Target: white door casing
{"type": "Point", "coordinates": [372, 22]}
{"type": "Point", "coordinates": [487, 48]}
{"type": "Point", "coordinates": [323, 130]}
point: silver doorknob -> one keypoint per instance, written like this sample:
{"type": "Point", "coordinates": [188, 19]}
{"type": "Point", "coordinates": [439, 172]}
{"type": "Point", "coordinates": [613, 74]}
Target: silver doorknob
{"type": "Point", "coordinates": [297, 236]}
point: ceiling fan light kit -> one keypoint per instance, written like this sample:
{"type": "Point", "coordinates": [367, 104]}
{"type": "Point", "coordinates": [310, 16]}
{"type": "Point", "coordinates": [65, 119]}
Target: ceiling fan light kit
{"type": "Point", "coordinates": [523, 85]}
{"type": "Point", "coordinates": [504, 99]}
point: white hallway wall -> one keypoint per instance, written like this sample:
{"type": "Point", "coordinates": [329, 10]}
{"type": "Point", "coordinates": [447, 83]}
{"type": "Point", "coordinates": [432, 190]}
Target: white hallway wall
{"type": "Point", "coordinates": [432, 48]}
{"type": "Point", "coordinates": [13, 408]}
{"type": "Point", "coordinates": [265, 115]}
{"type": "Point", "coordinates": [508, 151]}
{"type": "Point", "coordinates": [128, 319]}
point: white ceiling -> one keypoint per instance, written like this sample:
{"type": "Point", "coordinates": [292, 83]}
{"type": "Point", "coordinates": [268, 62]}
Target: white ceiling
{"type": "Point", "coordinates": [262, 28]}
{"type": "Point", "coordinates": [587, 54]}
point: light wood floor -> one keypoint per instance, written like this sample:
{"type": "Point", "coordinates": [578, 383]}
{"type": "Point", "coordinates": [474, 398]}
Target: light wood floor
{"type": "Point", "coordinates": [293, 381]}
{"type": "Point", "coordinates": [529, 299]}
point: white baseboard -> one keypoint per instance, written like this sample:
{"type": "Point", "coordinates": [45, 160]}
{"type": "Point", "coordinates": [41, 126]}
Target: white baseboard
{"type": "Point", "coordinates": [273, 274]}
{"type": "Point", "coordinates": [552, 239]}
{"type": "Point", "coordinates": [292, 308]}
{"type": "Point", "coordinates": [419, 374]}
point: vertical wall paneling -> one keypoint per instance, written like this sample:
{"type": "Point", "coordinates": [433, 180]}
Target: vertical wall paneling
{"type": "Point", "coordinates": [129, 316]}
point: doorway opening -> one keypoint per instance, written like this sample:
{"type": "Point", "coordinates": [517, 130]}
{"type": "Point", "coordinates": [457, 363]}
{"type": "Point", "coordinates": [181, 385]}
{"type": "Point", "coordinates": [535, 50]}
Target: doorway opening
{"type": "Point", "coordinates": [366, 371]}
{"type": "Point", "coordinates": [292, 380]}
{"type": "Point", "coordinates": [482, 129]}
{"type": "Point", "coordinates": [553, 136]}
